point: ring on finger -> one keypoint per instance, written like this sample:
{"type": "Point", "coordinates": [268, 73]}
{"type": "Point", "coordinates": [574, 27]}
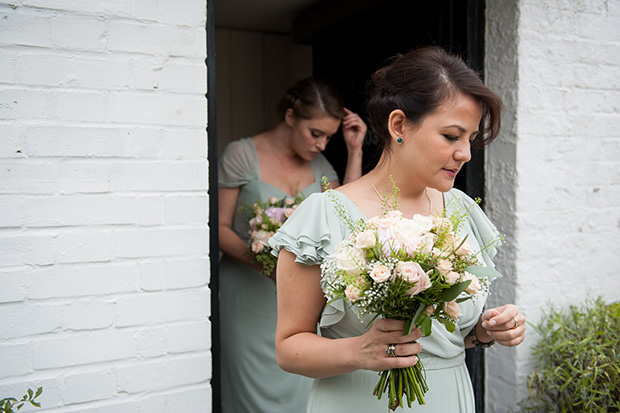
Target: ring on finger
{"type": "Point", "coordinates": [516, 323]}
{"type": "Point", "coordinates": [391, 350]}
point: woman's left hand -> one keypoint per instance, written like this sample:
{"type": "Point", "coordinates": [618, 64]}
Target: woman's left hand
{"type": "Point", "coordinates": [505, 324]}
{"type": "Point", "coordinates": [353, 130]}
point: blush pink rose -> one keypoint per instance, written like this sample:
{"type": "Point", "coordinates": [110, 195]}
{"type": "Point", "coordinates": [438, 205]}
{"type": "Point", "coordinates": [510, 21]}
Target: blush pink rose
{"type": "Point", "coordinates": [352, 293]}
{"type": "Point", "coordinates": [474, 285]}
{"type": "Point", "coordinates": [257, 247]}
{"type": "Point", "coordinates": [414, 274]}
{"type": "Point", "coordinates": [452, 277]}
{"type": "Point", "coordinates": [380, 274]}
{"type": "Point", "coordinates": [273, 200]}
{"type": "Point", "coordinates": [464, 249]}
{"type": "Point", "coordinates": [444, 266]}
{"type": "Point", "coordinates": [452, 309]}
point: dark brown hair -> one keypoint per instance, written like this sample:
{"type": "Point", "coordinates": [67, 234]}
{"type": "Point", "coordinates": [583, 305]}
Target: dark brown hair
{"type": "Point", "coordinates": [311, 97]}
{"type": "Point", "coordinates": [418, 82]}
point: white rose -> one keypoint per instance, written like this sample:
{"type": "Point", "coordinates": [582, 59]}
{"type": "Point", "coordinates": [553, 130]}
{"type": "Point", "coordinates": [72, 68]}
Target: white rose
{"type": "Point", "coordinates": [350, 259]}
{"type": "Point", "coordinates": [380, 274]}
{"type": "Point", "coordinates": [365, 239]}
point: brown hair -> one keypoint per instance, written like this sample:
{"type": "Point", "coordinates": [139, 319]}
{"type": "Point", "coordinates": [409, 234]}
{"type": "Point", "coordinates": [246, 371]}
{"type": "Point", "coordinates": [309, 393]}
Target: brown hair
{"type": "Point", "coordinates": [418, 82]}
{"type": "Point", "coordinates": [311, 97]}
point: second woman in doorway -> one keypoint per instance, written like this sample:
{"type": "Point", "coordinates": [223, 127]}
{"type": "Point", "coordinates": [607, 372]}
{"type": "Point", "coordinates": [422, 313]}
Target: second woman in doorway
{"type": "Point", "coordinates": [276, 163]}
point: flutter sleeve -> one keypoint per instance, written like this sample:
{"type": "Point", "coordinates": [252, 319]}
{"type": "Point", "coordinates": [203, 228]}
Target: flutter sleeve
{"type": "Point", "coordinates": [238, 164]}
{"type": "Point", "coordinates": [310, 232]}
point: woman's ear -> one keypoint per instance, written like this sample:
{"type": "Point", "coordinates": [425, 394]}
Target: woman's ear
{"type": "Point", "coordinates": [289, 117]}
{"type": "Point", "coordinates": [396, 125]}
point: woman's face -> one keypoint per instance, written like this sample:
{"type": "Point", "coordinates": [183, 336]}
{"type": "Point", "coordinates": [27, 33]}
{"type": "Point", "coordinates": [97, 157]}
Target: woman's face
{"type": "Point", "coordinates": [436, 150]}
{"type": "Point", "coordinates": [310, 136]}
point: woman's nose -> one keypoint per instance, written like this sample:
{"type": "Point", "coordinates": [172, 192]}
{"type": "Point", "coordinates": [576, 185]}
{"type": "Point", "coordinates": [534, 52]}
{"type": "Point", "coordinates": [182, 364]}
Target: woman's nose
{"type": "Point", "coordinates": [463, 152]}
{"type": "Point", "coordinates": [321, 144]}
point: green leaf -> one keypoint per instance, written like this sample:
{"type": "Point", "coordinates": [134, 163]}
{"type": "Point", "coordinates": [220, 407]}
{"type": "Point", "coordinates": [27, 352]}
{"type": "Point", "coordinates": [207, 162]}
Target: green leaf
{"type": "Point", "coordinates": [480, 271]}
{"type": "Point", "coordinates": [454, 291]}
{"type": "Point", "coordinates": [449, 324]}
{"type": "Point", "coordinates": [39, 391]}
{"type": "Point", "coordinates": [426, 326]}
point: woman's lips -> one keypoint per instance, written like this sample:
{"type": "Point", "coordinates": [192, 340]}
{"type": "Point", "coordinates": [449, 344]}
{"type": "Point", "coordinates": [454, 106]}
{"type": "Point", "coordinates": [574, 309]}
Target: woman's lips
{"type": "Point", "coordinates": [451, 172]}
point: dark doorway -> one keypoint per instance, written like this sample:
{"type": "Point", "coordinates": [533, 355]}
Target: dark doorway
{"type": "Point", "coordinates": [349, 42]}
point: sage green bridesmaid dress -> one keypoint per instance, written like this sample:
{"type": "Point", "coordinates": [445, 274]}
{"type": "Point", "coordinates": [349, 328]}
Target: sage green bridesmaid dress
{"type": "Point", "coordinates": [311, 234]}
{"type": "Point", "coordinates": [251, 379]}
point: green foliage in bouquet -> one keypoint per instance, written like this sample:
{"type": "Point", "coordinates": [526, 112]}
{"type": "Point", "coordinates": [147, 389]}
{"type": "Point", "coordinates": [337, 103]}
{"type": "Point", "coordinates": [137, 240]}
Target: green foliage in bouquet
{"type": "Point", "coordinates": [11, 404]}
{"type": "Point", "coordinates": [578, 360]}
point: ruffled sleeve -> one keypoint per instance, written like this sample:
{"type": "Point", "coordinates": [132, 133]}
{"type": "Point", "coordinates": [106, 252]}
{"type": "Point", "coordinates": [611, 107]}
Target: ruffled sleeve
{"type": "Point", "coordinates": [322, 168]}
{"type": "Point", "coordinates": [312, 232]}
{"type": "Point", "coordinates": [238, 164]}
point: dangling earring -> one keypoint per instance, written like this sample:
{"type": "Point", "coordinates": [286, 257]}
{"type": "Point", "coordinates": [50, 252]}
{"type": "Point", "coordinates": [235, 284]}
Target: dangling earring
{"type": "Point", "coordinates": [399, 140]}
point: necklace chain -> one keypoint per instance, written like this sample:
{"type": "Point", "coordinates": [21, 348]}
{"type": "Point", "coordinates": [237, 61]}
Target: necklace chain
{"type": "Point", "coordinates": [425, 193]}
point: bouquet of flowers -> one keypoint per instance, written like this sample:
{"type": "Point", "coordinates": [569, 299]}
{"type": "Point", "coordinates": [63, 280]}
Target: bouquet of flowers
{"type": "Point", "coordinates": [265, 219]}
{"type": "Point", "coordinates": [416, 270]}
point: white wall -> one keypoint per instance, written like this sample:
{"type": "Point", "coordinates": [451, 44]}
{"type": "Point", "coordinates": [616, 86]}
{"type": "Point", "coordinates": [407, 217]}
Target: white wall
{"type": "Point", "coordinates": [103, 237]}
{"type": "Point", "coordinates": [554, 175]}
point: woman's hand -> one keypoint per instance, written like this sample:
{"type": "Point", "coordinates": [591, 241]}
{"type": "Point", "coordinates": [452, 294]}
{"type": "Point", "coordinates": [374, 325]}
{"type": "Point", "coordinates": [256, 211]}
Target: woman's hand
{"type": "Point", "coordinates": [373, 346]}
{"type": "Point", "coordinates": [505, 325]}
{"type": "Point", "coordinates": [353, 130]}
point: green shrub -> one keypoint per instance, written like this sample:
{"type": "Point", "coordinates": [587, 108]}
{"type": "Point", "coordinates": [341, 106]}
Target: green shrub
{"type": "Point", "coordinates": [578, 360]}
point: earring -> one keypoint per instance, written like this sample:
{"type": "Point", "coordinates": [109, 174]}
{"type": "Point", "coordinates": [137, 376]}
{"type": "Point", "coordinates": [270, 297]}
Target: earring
{"type": "Point", "coordinates": [399, 140]}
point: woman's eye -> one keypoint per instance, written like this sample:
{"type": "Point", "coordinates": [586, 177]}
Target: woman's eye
{"type": "Point", "coordinates": [316, 134]}
{"type": "Point", "coordinates": [451, 138]}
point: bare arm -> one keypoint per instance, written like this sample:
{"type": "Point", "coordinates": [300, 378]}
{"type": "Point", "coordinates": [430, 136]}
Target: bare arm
{"type": "Point", "coordinates": [300, 350]}
{"type": "Point", "coordinates": [229, 242]}
{"type": "Point", "coordinates": [353, 131]}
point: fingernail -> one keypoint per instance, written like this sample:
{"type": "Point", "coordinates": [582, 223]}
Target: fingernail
{"type": "Point", "coordinates": [484, 324]}
{"type": "Point", "coordinates": [492, 322]}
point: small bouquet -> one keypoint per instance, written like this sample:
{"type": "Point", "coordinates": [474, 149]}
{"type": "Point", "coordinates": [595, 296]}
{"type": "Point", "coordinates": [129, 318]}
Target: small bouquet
{"type": "Point", "coordinates": [408, 269]}
{"type": "Point", "coordinates": [265, 219]}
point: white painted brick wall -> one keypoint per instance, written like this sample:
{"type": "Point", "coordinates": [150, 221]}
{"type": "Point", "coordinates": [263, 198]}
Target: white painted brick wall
{"type": "Point", "coordinates": [103, 208]}
{"type": "Point", "coordinates": [554, 175]}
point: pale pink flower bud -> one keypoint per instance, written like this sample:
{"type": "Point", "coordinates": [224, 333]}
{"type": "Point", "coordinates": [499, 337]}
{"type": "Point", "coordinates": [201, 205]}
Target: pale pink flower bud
{"type": "Point", "coordinates": [352, 293]}
{"type": "Point", "coordinates": [474, 285]}
{"type": "Point", "coordinates": [444, 266]}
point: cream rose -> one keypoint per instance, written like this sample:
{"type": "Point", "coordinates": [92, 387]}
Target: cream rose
{"type": "Point", "coordinates": [474, 285]}
{"type": "Point", "coordinates": [273, 200]}
{"type": "Point", "coordinates": [413, 273]}
{"type": "Point", "coordinates": [452, 309]}
{"type": "Point", "coordinates": [289, 202]}
{"type": "Point", "coordinates": [350, 259]}
{"type": "Point", "coordinates": [365, 239]}
{"type": "Point", "coordinates": [352, 293]}
{"type": "Point", "coordinates": [288, 212]}
{"type": "Point", "coordinates": [408, 229]}
{"type": "Point", "coordinates": [263, 236]}
{"type": "Point", "coordinates": [380, 274]}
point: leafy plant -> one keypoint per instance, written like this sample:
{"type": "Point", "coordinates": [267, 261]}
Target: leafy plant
{"type": "Point", "coordinates": [578, 361]}
{"type": "Point", "coordinates": [11, 404]}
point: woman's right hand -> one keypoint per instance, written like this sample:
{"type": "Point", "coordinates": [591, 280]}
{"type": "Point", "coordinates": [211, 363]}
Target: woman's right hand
{"type": "Point", "coordinates": [374, 343]}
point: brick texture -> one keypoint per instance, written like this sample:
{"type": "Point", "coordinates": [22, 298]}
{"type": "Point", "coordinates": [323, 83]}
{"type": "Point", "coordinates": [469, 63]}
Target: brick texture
{"type": "Point", "coordinates": [104, 260]}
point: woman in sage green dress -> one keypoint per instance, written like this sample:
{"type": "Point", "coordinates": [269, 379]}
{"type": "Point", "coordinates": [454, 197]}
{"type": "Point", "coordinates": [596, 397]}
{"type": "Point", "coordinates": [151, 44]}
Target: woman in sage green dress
{"type": "Point", "coordinates": [276, 163]}
{"type": "Point", "coordinates": [427, 106]}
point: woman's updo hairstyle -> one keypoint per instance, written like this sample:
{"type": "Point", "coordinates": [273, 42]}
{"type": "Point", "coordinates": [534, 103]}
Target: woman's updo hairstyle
{"type": "Point", "coordinates": [311, 97]}
{"type": "Point", "coordinates": [418, 82]}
